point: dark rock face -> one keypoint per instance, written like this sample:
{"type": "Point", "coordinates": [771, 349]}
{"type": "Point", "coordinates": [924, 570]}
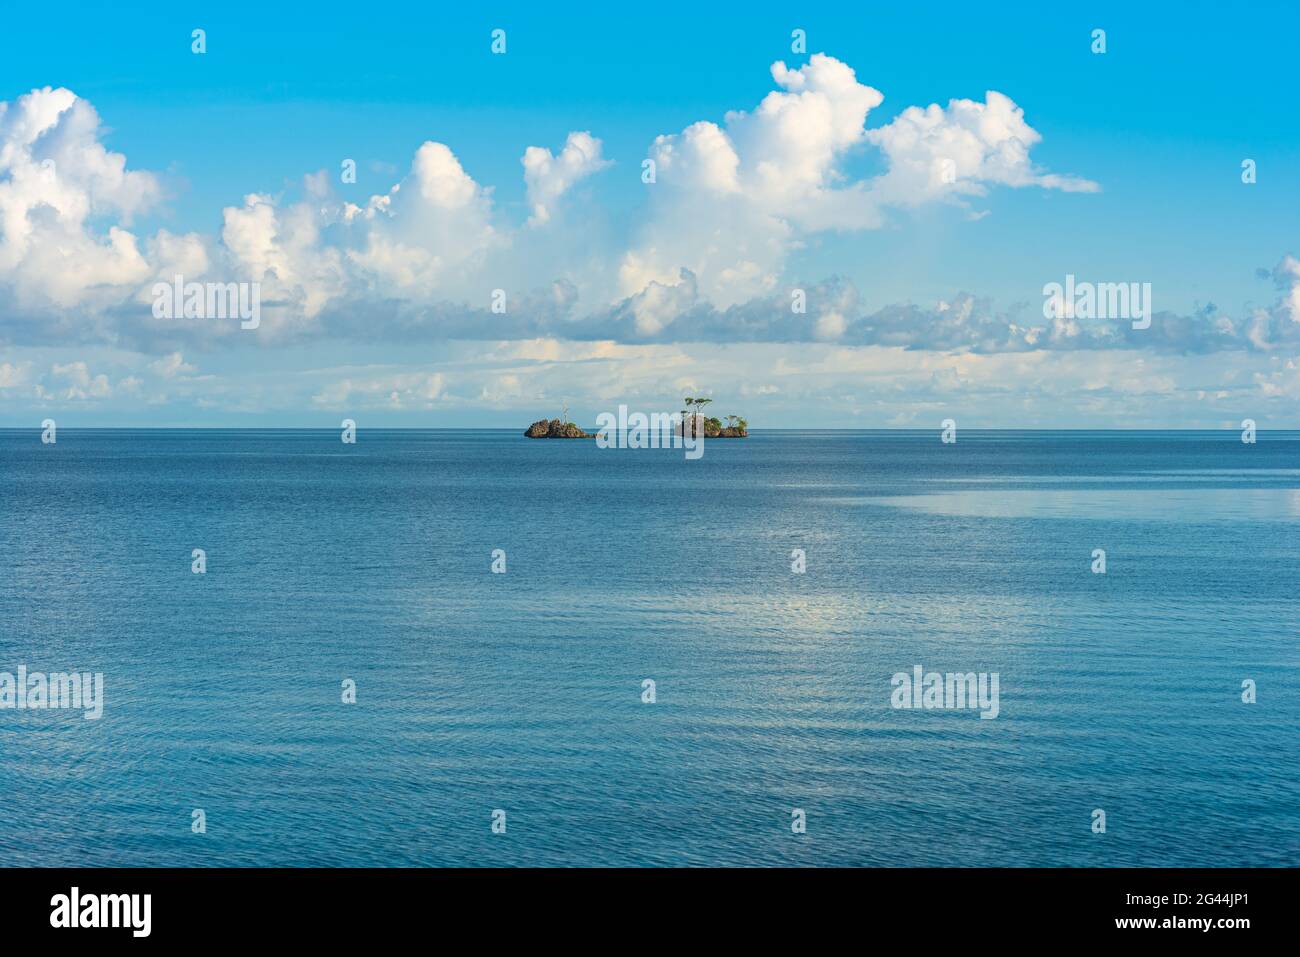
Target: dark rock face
{"type": "Point", "coordinates": [555, 429]}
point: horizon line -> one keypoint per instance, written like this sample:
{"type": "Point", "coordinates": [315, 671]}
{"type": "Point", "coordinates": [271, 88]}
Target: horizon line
{"type": "Point", "coordinates": [805, 429]}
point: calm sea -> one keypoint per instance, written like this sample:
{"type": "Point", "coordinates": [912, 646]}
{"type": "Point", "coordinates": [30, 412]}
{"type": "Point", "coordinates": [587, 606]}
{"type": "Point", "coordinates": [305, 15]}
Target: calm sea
{"type": "Point", "coordinates": [522, 691]}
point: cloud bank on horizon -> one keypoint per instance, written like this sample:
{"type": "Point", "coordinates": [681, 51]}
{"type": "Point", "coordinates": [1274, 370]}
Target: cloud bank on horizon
{"type": "Point", "coordinates": [727, 206]}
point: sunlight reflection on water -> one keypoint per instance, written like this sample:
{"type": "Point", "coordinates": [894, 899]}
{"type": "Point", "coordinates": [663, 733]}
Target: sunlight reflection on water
{"type": "Point", "coordinates": [1164, 504]}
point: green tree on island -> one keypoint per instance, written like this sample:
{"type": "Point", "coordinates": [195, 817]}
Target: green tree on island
{"type": "Point", "coordinates": [700, 403]}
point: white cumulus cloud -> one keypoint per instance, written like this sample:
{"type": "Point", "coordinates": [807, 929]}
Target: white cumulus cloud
{"type": "Point", "coordinates": [55, 179]}
{"type": "Point", "coordinates": [549, 177]}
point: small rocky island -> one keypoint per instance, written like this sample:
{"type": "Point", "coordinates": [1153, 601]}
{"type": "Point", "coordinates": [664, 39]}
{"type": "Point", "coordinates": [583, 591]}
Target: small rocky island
{"type": "Point", "coordinates": [556, 429]}
{"type": "Point", "coordinates": [692, 423]}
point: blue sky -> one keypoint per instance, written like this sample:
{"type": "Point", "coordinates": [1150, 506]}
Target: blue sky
{"type": "Point", "coordinates": [1152, 132]}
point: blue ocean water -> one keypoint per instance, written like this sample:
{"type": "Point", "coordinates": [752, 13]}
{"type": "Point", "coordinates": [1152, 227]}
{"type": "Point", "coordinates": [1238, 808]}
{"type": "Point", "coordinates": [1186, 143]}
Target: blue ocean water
{"type": "Point", "coordinates": [522, 691]}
